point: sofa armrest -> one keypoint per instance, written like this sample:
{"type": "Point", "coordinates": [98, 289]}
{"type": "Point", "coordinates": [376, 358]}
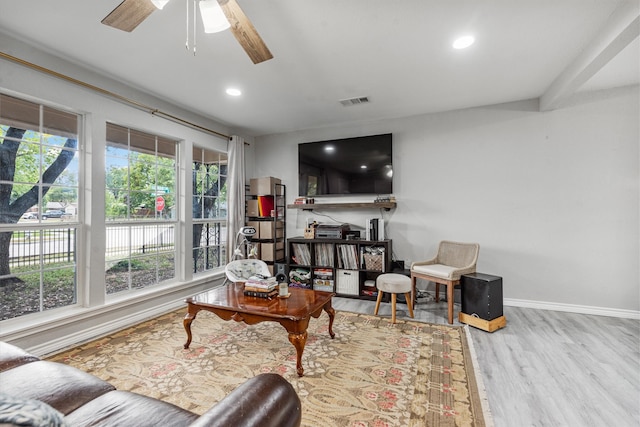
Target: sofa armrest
{"type": "Point", "coordinates": [12, 356]}
{"type": "Point", "coordinates": [265, 400]}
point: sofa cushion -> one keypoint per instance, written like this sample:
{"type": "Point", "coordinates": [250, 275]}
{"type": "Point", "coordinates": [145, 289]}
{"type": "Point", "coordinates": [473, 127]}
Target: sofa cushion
{"type": "Point", "coordinates": [12, 356]}
{"type": "Point", "coordinates": [122, 408]}
{"type": "Point", "coordinates": [61, 386]}
{"type": "Point", "coordinates": [28, 413]}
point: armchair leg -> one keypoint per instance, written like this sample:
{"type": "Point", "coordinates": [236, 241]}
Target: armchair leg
{"type": "Point", "coordinates": [450, 287]}
{"type": "Point", "coordinates": [450, 284]}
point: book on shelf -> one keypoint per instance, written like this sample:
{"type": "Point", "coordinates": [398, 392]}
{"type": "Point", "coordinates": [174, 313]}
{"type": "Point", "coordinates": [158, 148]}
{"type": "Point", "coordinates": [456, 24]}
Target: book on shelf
{"type": "Point", "coordinates": [322, 282]}
{"type": "Point", "coordinates": [266, 205]}
{"type": "Point", "coordinates": [370, 292]}
{"type": "Point", "coordinates": [323, 277]}
{"type": "Point", "coordinates": [301, 254]}
{"type": "Point", "coordinates": [324, 253]}
{"type": "Point", "coordinates": [324, 272]}
{"type": "Point", "coordinates": [347, 257]}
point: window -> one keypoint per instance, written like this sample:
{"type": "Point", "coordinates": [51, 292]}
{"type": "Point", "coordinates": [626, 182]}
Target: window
{"type": "Point", "coordinates": [140, 204]}
{"type": "Point", "coordinates": [39, 166]}
{"type": "Point", "coordinates": [41, 222]}
{"type": "Point", "coordinates": [209, 175]}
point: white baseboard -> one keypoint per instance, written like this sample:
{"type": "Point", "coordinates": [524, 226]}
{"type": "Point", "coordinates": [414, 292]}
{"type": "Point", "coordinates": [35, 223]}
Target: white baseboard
{"type": "Point", "coordinates": [573, 308]}
{"type": "Point", "coordinates": [57, 345]}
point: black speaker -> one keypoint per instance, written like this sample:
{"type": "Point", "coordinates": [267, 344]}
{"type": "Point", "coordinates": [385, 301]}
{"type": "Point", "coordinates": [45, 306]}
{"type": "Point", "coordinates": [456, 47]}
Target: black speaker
{"type": "Point", "coordinates": [397, 265]}
{"type": "Point", "coordinates": [281, 269]}
{"type": "Point", "coordinates": [481, 295]}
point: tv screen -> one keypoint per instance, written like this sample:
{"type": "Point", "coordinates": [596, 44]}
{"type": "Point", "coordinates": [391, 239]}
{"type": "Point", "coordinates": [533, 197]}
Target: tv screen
{"type": "Point", "coordinates": [360, 165]}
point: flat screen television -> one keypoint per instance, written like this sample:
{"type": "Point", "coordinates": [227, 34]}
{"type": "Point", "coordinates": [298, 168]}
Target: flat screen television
{"type": "Point", "coordinates": [350, 166]}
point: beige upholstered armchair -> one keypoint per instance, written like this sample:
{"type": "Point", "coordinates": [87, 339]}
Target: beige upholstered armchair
{"type": "Point", "coordinates": [452, 261]}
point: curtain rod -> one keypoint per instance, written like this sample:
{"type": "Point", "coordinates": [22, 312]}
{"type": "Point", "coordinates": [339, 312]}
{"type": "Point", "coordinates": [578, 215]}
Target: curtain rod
{"type": "Point", "coordinates": [151, 110]}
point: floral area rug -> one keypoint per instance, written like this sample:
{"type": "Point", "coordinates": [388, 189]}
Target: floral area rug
{"type": "Point", "coordinates": [372, 374]}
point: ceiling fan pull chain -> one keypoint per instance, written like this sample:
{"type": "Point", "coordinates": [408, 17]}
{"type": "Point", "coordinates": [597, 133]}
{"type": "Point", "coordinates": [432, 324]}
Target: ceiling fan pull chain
{"type": "Point", "coordinates": [186, 45]}
{"type": "Point", "coordinates": [195, 25]}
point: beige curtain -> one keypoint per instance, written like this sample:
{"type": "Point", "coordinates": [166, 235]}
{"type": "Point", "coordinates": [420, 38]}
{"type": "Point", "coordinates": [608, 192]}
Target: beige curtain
{"type": "Point", "coordinates": [235, 192]}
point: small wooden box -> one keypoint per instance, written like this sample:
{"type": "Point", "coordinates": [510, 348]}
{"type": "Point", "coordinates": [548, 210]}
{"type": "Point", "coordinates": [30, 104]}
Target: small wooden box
{"type": "Point", "coordinates": [252, 208]}
{"type": "Point", "coordinates": [264, 186]}
{"type": "Point", "coordinates": [272, 251]}
{"type": "Point", "coordinates": [270, 229]}
{"type": "Point", "coordinates": [256, 225]}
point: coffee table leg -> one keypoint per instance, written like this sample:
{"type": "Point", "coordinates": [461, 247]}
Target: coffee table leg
{"type": "Point", "coordinates": [298, 341]}
{"type": "Point", "coordinates": [188, 318]}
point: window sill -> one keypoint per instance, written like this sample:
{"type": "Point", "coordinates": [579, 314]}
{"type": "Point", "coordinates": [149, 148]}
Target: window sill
{"type": "Point", "coordinates": [118, 312]}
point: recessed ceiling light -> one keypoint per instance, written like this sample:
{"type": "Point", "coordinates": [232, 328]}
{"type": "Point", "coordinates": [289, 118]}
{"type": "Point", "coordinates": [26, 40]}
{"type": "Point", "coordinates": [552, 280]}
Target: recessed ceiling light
{"type": "Point", "coordinates": [329, 148]}
{"type": "Point", "coordinates": [463, 42]}
{"type": "Point", "coordinates": [234, 92]}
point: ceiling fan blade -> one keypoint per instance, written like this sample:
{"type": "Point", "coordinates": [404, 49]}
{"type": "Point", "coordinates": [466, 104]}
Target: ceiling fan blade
{"type": "Point", "coordinates": [244, 31]}
{"type": "Point", "coordinates": [129, 14]}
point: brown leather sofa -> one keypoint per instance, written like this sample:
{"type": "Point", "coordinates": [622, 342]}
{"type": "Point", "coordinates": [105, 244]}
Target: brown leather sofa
{"type": "Point", "coordinates": [85, 400]}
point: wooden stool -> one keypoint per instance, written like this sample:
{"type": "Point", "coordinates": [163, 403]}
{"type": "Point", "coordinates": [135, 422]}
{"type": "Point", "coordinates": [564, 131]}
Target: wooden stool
{"type": "Point", "coordinates": [394, 284]}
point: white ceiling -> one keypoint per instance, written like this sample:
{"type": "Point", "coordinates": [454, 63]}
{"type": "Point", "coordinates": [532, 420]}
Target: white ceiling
{"type": "Point", "coordinates": [396, 52]}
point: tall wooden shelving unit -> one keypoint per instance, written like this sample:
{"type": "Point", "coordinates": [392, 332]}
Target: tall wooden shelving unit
{"type": "Point", "coordinates": [270, 226]}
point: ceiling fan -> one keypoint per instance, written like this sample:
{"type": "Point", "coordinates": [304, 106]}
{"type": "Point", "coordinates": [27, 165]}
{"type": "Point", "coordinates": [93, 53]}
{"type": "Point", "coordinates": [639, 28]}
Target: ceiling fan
{"type": "Point", "coordinates": [130, 13]}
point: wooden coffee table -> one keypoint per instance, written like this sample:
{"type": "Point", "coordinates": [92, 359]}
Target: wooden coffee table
{"type": "Point", "coordinates": [229, 302]}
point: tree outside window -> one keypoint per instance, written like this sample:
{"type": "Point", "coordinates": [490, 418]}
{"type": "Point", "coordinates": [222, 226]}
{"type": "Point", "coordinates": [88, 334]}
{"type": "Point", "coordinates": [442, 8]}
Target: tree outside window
{"type": "Point", "coordinates": [140, 205]}
{"type": "Point", "coordinates": [38, 176]}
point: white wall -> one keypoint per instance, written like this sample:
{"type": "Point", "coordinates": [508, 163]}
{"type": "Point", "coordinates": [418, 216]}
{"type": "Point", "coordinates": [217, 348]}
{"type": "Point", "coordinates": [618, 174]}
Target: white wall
{"type": "Point", "coordinates": [552, 198]}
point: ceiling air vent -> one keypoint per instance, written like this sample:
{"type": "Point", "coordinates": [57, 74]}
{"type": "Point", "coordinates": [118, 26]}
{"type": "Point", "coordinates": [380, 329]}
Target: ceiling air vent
{"type": "Point", "coordinates": [354, 101]}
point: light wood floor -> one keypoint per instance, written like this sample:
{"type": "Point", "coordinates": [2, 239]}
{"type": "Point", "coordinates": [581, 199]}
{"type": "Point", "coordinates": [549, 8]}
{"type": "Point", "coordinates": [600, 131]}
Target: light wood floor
{"type": "Point", "coordinates": [548, 368]}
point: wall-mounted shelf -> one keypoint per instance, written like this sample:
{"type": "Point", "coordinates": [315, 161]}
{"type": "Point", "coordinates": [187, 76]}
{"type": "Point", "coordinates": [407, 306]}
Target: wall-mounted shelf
{"type": "Point", "coordinates": [347, 205]}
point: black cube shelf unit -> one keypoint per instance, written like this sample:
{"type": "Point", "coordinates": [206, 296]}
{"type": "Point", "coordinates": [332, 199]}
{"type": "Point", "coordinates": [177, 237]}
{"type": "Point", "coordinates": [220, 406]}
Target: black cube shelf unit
{"type": "Point", "coordinates": [347, 267]}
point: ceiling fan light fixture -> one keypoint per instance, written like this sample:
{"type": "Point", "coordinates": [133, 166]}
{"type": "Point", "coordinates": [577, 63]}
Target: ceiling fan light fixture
{"type": "Point", "coordinates": [213, 17]}
{"type": "Point", "coordinates": [463, 42]}
{"type": "Point", "coordinates": [159, 3]}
